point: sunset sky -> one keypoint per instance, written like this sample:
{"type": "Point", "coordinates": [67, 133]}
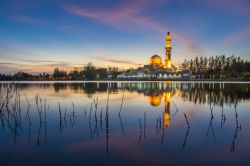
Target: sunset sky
{"type": "Point", "coordinates": [39, 35]}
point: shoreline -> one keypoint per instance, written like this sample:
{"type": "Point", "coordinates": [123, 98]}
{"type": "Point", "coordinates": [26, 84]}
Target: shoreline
{"type": "Point", "coordinates": [115, 80]}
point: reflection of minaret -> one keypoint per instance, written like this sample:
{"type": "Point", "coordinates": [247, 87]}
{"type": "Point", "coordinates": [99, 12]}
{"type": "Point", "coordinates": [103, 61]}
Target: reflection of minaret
{"type": "Point", "coordinates": [168, 49]}
{"type": "Point", "coordinates": [167, 109]}
{"type": "Point", "coordinates": [155, 100]}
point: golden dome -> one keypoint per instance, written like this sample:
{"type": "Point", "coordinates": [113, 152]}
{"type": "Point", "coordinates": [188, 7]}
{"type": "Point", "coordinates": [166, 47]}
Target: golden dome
{"type": "Point", "coordinates": [155, 60]}
{"type": "Point", "coordinates": [155, 100]}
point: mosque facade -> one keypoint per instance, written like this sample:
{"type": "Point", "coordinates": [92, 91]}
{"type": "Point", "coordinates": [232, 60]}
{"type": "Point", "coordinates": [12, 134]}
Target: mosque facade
{"type": "Point", "coordinates": [157, 69]}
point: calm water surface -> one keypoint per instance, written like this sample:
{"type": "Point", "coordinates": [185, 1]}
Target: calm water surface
{"type": "Point", "coordinates": [124, 123]}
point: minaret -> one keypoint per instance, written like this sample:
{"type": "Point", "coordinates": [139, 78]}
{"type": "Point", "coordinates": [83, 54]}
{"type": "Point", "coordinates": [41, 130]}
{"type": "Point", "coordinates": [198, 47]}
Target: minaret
{"type": "Point", "coordinates": [168, 49]}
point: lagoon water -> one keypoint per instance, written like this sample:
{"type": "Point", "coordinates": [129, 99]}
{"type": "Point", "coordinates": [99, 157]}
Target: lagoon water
{"type": "Point", "coordinates": [124, 123]}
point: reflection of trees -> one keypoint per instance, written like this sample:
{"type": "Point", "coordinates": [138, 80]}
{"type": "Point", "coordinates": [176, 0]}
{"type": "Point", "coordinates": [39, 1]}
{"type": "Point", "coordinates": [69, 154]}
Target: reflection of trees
{"type": "Point", "coordinates": [59, 86]}
{"type": "Point", "coordinates": [88, 88]}
{"type": "Point", "coordinates": [216, 94]}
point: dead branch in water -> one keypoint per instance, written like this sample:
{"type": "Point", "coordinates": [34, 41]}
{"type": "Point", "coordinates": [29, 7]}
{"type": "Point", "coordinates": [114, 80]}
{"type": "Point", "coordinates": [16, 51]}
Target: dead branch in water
{"type": "Point", "coordinates": [186, 120]}
{"type": "Point", "coordinates": [121, 103]}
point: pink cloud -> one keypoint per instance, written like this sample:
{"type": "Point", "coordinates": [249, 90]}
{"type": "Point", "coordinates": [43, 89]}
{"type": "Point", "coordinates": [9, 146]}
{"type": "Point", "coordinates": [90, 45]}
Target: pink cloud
{"type": "Point", "coordinates": [125, 14]}
{"type": "Point", "coordinates": [111, 60]}
{"type": "Point", "coordinates": [237, 37]}
{"type": "Point", "coordinates": [130, 15]}
{"type": "Point", "coordinates": [233, 6]}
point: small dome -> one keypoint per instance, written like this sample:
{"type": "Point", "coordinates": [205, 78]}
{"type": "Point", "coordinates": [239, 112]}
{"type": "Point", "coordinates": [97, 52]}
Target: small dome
{"type": "Point", "coordinates": [155, 100]}
{"type": "Point", "coordinates": [155, 60]}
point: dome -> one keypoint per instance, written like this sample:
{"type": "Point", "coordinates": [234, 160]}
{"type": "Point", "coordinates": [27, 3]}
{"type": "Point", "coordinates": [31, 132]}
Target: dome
{"type": "Point", "coordinates": [155, 60]}
{"type": "Point", "coordinates": [155, 100]}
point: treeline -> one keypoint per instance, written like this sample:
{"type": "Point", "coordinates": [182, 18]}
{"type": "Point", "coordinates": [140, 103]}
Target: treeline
{"type": "Point", "coordinates": [218, 67]}
{"type": "Point", "coordinates": [89, 72]}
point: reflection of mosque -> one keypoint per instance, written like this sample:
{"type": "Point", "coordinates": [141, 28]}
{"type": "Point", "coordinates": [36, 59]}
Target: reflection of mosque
{"type": "Point", "coordinates": [155, 100]}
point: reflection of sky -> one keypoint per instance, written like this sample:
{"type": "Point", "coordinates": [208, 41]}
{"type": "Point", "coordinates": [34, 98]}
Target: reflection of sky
{"type": "Point", "coordinates": [40, 35]}
{"type": "Point", "coordinates": [74, 144]}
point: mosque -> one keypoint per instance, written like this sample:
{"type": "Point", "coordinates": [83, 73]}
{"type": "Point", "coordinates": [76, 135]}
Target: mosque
{"type": "Point", "coordinates": [157, 69]}
{"type": "Point", "coordinates": [156, 61]}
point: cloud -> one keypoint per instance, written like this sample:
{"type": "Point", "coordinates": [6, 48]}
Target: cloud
{"type": "Point", "coordinates": [234, 6]}
{"type": "Point", "coordinates": [7, 63]}
{"type": "Point", "coordinates": [237, 37]}
{"type": "Point", "coordinates": [127, 62]}
{"type": "Point", "coordinates": [130, 15]}
{"type": "Point", "coordinates": [123, 15]}
{"type": "Point", "coordinates": [32, 60]}
{"type": "Point", "coordinates": [35, 66]}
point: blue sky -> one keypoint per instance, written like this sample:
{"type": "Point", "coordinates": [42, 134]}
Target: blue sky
{"type": "Point", "coordinates": [39, 35]}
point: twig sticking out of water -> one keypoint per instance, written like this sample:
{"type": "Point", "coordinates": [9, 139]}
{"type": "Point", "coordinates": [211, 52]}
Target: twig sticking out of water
{"type": "Point", "coordinates": [121, 103]}
{"type": "Point", "coordinates": [160, 125]}
{"type": "Point", "coordinates": [140, 124]}
{"type": "Point", "coordinates": [65, 120]}
{"type": "Point", "coordinates": [85, 111]}
{"type": "Point", "coordinates": [144, 125]}
{"type": "Point", "coordinates": [211, 110]}
{"type": "Point", "coordinates": [156, 125]}
{"type": "Point", "coordinates": [90, 110]}
{"type": "Point", "coordinates": [107, 125]}
{"type": "Point", "coordinates": [27, 112]}
{"type": "Point", "coordinates": [101, 118]}
{"type": "Point", "coordinates": [37, 98]}
{"type": "Point", "coordinates": [186, 120]}
{"type": "Point", "coordinates": [236, 118]}
{"type": "Point", "coordinates": [185, 140]}
{"type": "Point", "coordinates": [96, 103]}
{"type": "Point", "coordinates": [96, 116]}
{"type": "Point", "coordinates": [60, 119]}
{"type": "Point", "coordinates": [163, 129]}
{"type": "Point", "coordinates": [236, 130]}
{"type": "Point", "coordinates": [120, 118]}
{"type": "Point", "coordinates": [73, 109]}
{"type": "Point", "coordinates": [27, 99]}
{"type": "Point", "coordinates": [175, 107]}
{"type": "Point", "coordinates": [223, 117]}
{"type": "Point", "coordinates": [140, 130]}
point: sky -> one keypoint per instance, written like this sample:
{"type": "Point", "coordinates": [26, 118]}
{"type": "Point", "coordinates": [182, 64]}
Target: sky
{"type": "Point", "coordinates": [40, 35]}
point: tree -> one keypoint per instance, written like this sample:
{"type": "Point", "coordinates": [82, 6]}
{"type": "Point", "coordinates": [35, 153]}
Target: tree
{"type": "Point", "coordinates": [59, 74]}
{"type": "Point", "coordinates": [89, 72]}
{"type": "Point", "coordinates": [218, 67]}
{"type": "Point", "coordinates": [113, 72]}
{"type": "Point", "coordinates": [75, 75]}
{"type": "Point", "coordinates": [102, 73]}
{"type": "Point", "coordinates": [184, 65]}
{"type": "Point", "coordinates": [22, 76]}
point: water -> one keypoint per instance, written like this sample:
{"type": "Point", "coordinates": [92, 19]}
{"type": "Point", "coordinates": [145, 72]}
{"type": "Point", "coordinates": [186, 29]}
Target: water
{"type": "Point", "coordinates": [129, 123]}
